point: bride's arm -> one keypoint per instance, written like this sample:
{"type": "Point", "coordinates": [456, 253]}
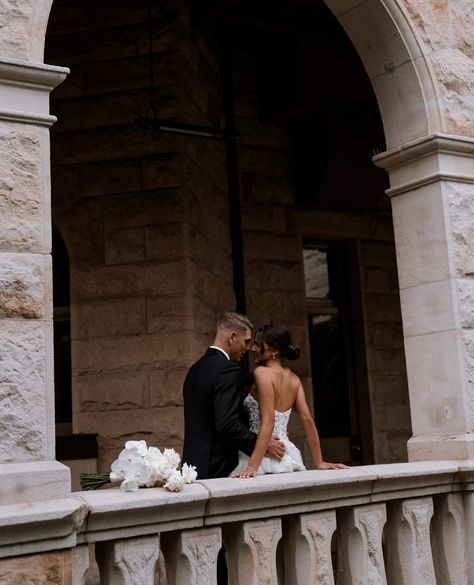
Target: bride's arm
{"type": "Point", "coordinates": [266, 403]}
{"type": "Point", "coordinates": [302, 410]}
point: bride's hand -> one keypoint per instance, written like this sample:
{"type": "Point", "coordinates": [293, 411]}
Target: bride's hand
{"type": "Point", "coordinates": [328, 465]}
{"type": "Point", "coordinates": [247, 472]}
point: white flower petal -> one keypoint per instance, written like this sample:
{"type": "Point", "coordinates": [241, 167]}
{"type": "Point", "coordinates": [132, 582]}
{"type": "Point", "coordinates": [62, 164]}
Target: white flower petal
{"type": "Point", "coordinates": [140, 446]}
{"type": "Point", "coordinates": [175, 482]}
{"type": "Point", "coordinates": [189, 473]}
{"type": "Point", "coordinates": [129, 485]}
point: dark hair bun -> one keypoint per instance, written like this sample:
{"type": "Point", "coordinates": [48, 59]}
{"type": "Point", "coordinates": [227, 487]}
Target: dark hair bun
{"type": "Point", "coordinates": [292, 352]}
{"type": "Point", "coordinates": [279, 339]}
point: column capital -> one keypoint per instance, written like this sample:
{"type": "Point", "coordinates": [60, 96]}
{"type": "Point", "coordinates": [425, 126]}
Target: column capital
{"type": "Point", "coordinates": [27, 86]}
{"type": "Point", "coordinates": [433, 158]}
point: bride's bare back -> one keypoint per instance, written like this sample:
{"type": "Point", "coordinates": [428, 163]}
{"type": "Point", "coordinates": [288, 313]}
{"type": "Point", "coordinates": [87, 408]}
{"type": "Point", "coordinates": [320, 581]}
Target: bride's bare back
{"type": "Point", "coordinates": [285, 386]}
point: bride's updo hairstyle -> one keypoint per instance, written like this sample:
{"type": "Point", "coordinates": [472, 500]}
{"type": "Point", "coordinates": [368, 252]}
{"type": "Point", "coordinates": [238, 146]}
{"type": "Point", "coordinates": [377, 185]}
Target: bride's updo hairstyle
{"type": "Point", "coordinates": [279, 339]}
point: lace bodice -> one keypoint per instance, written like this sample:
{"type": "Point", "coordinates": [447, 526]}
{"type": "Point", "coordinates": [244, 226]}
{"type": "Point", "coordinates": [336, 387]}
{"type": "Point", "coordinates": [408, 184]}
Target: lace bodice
{"type": "Point", "coordinates": [281, 418]}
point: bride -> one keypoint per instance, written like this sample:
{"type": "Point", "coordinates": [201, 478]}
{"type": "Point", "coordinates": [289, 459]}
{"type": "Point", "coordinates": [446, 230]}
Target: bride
{"type": "Point", "coordinates": [276, 392]}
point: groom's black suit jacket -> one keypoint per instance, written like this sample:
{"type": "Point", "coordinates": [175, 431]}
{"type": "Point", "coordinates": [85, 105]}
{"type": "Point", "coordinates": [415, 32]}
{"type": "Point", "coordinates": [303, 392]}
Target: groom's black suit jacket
{"type": "Point", "coordinates": [213, 431]}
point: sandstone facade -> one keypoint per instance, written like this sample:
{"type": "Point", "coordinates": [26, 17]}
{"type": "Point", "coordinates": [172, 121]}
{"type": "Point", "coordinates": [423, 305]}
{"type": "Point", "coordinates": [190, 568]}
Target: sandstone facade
{"type": "Point", "coordinates": [145, 219]}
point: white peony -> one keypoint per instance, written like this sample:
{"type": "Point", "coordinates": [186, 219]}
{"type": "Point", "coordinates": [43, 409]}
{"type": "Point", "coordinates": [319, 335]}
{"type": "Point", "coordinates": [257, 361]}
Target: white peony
{"type": "Point", "coordinates": [189, 473]}
{"type": "Point", "coordinates": [161, 468]}
{"type": "Point", "coordinates": [172, 457]}
{"type": "Point", "coordinates": [175, 482]}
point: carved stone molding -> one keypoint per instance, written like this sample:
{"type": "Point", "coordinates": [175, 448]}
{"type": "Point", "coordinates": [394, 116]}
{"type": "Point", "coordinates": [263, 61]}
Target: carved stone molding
{"type": "Point", "coordinates": [409, 556]}
{"type": "Point", "coordinates": [128, 562]}
{"type": "Point", "coordinates": [360, 556]}
{"type": "Point", "coordinates": [251, 551]}
{"type": "Point", "coordinates": [191, 556]}
{"type": "Point", "coordinates": [307, 548]}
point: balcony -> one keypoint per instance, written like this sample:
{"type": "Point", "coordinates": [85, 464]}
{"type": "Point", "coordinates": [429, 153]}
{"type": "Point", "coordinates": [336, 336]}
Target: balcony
{"type": "Point", "coordinates": [399, 524]}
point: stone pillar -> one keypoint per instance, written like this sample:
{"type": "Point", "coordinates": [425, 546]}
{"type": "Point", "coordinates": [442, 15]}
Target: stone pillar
{"type": "Point", "coordinates": [308, 548]}
{"type": "Point", "coordinates": [409, 557]}
{"type": "Point", "coordinates": [27, 433]}
{"type": "Point", "coordinates": [128, 562]}
{"type": "Point", "coordinates": [191, 556]}
{"type": "Point", "coordinates": [432, 195]}
{"type": "Point", "coordinates": [359, 546]}
{"type": "Point", "coordinates": [251, 551]}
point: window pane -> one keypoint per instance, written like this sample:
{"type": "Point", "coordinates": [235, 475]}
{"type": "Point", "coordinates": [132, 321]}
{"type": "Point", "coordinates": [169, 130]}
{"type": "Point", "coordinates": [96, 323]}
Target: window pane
{"type": "Point", "coordinates": [316, 273]}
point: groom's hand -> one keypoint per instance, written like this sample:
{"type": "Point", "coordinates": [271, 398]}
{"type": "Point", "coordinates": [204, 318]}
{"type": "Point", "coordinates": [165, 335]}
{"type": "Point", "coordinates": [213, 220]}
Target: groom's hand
{"type": "Point", "coordinates": [275, 449]}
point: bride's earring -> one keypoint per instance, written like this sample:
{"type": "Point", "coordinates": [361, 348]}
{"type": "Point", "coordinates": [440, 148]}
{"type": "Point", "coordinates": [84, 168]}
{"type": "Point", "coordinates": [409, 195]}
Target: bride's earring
{"type": "Point", "coordinates": [274, 356]}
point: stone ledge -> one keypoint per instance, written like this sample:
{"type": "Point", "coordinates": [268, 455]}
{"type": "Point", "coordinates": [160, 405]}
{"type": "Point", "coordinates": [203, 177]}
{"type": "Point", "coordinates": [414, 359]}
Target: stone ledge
{"type": "Point", "coordinates": [32, 73]}
{"type": "Point", "coordinates": [428, 145]}
{"type": "Point", "coordinates": [40, 526]}
{"type": "Point", "coordinates": [111, 514]}
{"type": "Point", "coordinates": [27, 85]}
{"type": "Point", "coordinates": [434, 158]}
{"type": "Point", "coordinates": [115, 514]}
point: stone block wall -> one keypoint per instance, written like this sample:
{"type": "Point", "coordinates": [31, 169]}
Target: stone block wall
{"type": "Point", "coordinates": [52, 568]}
{"type": "Point", "coordinates": [144, 218]}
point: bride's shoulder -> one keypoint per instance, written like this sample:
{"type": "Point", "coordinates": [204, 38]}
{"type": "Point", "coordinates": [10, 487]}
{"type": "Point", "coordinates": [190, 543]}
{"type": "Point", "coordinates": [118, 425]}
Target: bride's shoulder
{"type": "Point", "coordinates": [263, 372]}
{"type": "Point", "coordinates": [293, 377]}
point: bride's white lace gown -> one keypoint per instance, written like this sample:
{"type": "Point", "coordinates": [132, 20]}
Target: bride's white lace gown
{"type": "Point", "coordinates": [291, 461]}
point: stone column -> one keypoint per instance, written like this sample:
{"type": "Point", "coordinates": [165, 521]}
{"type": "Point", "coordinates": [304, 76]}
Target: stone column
{"type": "Point", "coordinates": [432, 191]}
{"type": "Point", "coordinates": [27, 431]}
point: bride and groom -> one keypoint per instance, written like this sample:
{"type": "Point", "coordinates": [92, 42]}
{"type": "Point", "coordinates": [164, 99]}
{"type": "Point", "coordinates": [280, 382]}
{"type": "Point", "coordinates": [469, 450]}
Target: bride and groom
{"type": "Point", "coordinates": [216, 440]}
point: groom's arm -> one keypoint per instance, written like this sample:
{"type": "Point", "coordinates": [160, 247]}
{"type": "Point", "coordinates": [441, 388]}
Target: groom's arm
{"type": "Point", "coordinates": [227, 409]}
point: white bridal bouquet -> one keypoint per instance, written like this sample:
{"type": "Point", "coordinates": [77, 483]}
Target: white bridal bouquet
{"type": "Point", "coordinates": [142, 466]}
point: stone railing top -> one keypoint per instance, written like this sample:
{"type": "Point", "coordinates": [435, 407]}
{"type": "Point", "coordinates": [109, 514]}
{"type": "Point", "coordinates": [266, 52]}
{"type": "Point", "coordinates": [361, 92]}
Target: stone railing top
{"type": "Point", "coordinates": [116, 514]}
{"type": "Point", "coordinates": [110, 514]}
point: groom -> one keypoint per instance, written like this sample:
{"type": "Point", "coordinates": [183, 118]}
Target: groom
{"type": "Point", "coordinates": [213, 431]}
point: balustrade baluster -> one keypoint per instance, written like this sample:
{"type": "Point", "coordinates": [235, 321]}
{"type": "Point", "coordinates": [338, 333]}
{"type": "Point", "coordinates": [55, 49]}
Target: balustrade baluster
{"type": "Point", "coordinates": [80, 564]}
{"type": "Point", "coordinates": [409, 556]}
{"type": "Point", "coordinates": [307, 545]}
{"type": "Point", "coordinates": [251, 551]}
{"type": "Point", "coordinates": [128, 562]}
{"type": "Point", "coordinates": [469, 524]}
{"type": "Point", "coordinates": [448, 539]}
{"type": "Point", "coordinates": [191, 556]}
{"type": "Point", "coordinates": [359, 545]}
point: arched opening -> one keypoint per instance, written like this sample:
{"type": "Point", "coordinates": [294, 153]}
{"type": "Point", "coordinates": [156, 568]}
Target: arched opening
{"type": "Point", "coordinates": [148, 216]}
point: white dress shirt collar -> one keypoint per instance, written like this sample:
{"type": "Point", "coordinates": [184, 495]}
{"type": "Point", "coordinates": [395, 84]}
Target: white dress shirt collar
{"type": "Point", "coordinates": [220, 349]}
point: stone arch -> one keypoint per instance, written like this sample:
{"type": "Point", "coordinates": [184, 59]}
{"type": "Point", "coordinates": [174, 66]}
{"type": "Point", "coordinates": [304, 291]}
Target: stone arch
{"type": "Point", "coordinates": [396, 66]}
{"type": "Point", "coordinates": [380, 30]}
{"type": "Point", "coordinates": [23, 29]}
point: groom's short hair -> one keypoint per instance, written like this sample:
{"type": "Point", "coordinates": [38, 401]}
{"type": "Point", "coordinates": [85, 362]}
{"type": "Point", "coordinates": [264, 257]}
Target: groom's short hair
{"type": "Point", "coordinates": [231, 321]}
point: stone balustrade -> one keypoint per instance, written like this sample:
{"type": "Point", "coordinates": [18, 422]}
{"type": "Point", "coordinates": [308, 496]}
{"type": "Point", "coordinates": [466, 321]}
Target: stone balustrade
{"type": "Point", "coordinates": [399, 524]}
